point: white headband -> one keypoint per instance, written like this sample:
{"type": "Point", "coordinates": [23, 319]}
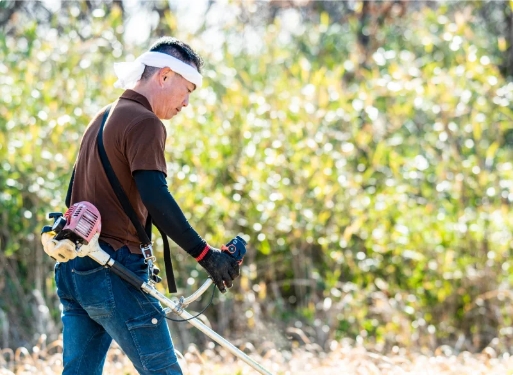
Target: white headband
{"type": "Point", "coordinates": [129, 73]}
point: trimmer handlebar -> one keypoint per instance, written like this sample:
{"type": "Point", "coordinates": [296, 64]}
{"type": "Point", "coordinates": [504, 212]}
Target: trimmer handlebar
{"type": "Point", "coordinates": [194, 296]}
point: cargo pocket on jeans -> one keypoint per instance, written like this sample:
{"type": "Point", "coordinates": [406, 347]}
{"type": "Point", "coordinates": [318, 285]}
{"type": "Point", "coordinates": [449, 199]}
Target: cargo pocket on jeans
{"type": "Point", "coordinates": [153, 341]}
{"type": "Point", "coordinates": [94, 291]}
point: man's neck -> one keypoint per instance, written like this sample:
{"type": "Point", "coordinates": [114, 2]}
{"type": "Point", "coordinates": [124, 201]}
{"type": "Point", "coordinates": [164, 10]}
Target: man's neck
{"type": "Point", "coordinates": [146, 92]}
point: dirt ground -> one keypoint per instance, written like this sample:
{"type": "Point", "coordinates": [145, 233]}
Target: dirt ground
{"type": "Point", "coordinates": [342, 359]}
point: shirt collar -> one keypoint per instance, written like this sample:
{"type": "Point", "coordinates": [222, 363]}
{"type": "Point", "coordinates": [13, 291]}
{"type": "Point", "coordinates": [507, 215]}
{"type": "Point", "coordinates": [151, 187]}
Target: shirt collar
{"type": "Point", "coordinates": [138, 98]}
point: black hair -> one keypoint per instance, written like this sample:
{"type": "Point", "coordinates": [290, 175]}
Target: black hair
{"type": "Point", "coordinates": [175, 48]}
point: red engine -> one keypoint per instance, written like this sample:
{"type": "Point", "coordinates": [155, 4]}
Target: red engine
{"type": "Point", "coordinates": [83, 221]}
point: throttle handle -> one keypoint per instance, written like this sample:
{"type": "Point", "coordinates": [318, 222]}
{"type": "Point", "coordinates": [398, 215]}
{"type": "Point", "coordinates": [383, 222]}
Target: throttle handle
{"type": "Point", "coordinates": [236, 248]}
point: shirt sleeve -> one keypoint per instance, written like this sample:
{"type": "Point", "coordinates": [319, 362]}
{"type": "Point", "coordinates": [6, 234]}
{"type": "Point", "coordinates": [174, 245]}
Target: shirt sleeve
{"type": "Point", "coordinates": [145, 143]}
{"type": "Point", "coordinates": [166, 213]}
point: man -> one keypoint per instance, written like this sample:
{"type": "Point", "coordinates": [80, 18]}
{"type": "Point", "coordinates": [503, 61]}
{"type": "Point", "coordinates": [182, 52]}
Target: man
{"type": "Point", "coordinates": [97, 305]}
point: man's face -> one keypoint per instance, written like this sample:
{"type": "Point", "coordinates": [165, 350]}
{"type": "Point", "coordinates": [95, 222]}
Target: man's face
{"type": "Point", "coordinates": [174, 94]}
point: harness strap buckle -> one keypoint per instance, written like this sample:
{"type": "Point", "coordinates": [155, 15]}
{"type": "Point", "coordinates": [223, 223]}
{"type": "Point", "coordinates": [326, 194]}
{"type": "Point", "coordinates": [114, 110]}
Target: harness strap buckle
{"type": "Point", "coordinates": [147, 252]}
{"type": "Point", "coordinates": [149, 259]}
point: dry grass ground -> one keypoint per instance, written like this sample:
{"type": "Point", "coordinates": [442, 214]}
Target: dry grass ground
{"type": "Point", "coordinates": [342, 359]}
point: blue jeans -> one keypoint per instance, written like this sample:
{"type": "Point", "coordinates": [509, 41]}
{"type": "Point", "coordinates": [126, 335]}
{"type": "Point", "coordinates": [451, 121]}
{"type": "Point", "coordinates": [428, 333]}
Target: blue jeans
{"type": "Point", "coordinates": [98, 306]}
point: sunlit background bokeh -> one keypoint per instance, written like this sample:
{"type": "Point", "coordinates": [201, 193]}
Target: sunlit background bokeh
{"type": "Point", "coordinates": [363, 148]}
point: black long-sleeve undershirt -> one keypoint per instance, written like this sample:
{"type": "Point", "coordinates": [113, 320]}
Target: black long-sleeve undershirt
{"type": "Point", "coordinates": [166, 213]}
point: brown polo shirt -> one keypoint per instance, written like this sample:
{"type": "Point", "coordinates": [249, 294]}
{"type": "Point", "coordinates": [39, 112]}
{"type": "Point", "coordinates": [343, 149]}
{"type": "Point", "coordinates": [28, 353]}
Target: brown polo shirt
{"type": "Point", "coordinates": [134, 139]}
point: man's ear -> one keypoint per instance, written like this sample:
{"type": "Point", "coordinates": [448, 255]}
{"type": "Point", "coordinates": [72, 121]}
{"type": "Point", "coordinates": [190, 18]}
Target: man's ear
{"type": "Point", "coordinates": [164, 74]}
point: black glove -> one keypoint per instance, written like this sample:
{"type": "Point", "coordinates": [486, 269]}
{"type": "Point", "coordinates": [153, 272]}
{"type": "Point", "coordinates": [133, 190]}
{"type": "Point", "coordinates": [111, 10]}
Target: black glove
{"type": "Point", "coordinates": [221, 267]}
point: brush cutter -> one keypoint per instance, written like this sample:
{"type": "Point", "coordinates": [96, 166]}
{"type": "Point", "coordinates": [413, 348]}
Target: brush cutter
{"type": "Point", "coordinates": [76, 233]}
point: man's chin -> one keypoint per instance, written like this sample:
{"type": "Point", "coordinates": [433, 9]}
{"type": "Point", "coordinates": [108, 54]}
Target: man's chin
{"type": "Point", "coordinates": [174, 114]}
{"type": "Point", "coordinates": [169, 117]}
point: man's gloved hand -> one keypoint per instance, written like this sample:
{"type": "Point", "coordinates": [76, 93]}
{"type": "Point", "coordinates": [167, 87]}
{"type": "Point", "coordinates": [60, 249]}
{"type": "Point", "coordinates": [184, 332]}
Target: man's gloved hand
{"type": "Point", "coordinates": [221, 267]}
{"type": "Point", "coordinates": [61, 251]}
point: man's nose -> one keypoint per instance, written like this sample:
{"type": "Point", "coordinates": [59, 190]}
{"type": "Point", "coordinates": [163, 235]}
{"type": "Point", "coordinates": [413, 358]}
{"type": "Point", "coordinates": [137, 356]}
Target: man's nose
{"type": "Point", "coordinates": [185, 103]}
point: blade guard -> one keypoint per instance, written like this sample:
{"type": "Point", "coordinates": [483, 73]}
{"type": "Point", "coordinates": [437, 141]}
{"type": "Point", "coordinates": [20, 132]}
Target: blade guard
{"type": "Point", "coordinates": [84, 220]}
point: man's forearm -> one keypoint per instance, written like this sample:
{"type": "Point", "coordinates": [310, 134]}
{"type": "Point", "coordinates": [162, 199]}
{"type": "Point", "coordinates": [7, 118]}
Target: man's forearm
{"type": "Point", "coordinates": [166, 213]}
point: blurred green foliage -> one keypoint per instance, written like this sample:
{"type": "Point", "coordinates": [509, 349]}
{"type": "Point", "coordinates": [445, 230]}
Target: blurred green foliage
{"type": "Point", "coordinates": [374, 186]}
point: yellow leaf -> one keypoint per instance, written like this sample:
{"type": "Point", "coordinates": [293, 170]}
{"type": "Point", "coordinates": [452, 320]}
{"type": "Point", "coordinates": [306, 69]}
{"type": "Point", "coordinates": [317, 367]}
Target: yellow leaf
{"type": "Point", "coordinates": [477, 130]}
{"type": "Point", "coordinates": [492, 150]}
{"type": "Point", "coordinates": [265, 248]}
{"type": "Point", "coordinates": [377, 158]}
{"type": "Point", "coordinates": [348, 232]}
{"type": "Point", "coordinates": [325, 19]}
